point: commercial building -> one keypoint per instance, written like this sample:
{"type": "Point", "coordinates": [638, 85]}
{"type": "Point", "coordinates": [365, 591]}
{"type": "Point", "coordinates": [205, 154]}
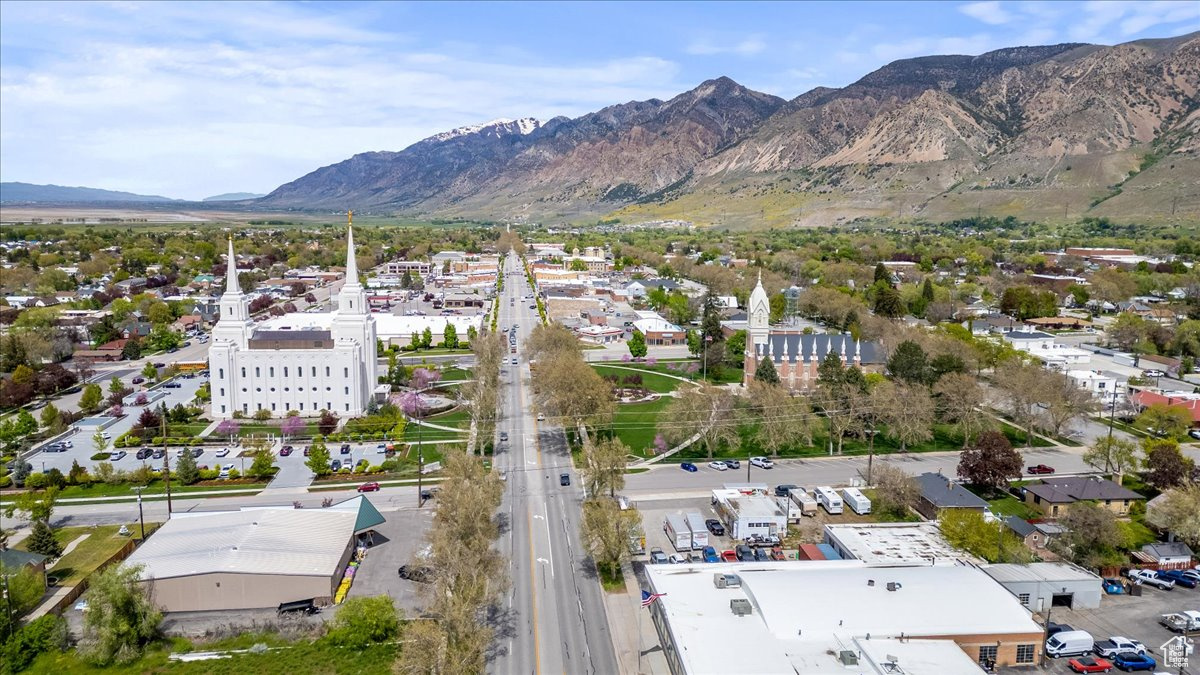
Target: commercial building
{"type": "Point", "coordinates": [825, 617]}
{"type": "Point", "coordinates": [894, 544]}
{"type": "Point", "coordinates": [1041, 585]}
{"type": "Point", "coordinates": [310, 369]}
{"type": "Point", "coordinates": [657, 330]}
{"type": "Point", "coordinates": [254, 558]}
{"type": "Point", "coordinates": [745, 515]}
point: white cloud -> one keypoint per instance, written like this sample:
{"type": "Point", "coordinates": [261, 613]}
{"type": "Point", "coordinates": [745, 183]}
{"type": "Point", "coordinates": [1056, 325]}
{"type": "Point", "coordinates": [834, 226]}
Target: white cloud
{"type": "Point", "coordinates": [991, 12]}
{"type": "Point", "coordinates": [713, 45]}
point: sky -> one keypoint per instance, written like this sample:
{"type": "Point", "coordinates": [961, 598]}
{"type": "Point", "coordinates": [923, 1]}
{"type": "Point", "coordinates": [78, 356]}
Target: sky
{"type": "Point", "coordinates": [189, 100]}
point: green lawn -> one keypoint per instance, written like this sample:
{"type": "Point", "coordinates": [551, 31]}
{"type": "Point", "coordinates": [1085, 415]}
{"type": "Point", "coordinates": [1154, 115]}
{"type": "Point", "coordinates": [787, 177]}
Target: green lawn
{"type": "Point", "coordinates": [309, 657]}
{"type": "Point", "coordinates": [1008, 505]}
{"type": "Point", "coordinates": [459, 419]}
{"type": "Point", "coordinates": [102, 543]}
{"type": "Point", "coordinates": [456, 373]}
{"type": "Point", "coordinates": [651, 380]}
{"type": "Point", "coordinates": [156, 487]}
{"type": "Point", "coordinates": [636, 424]}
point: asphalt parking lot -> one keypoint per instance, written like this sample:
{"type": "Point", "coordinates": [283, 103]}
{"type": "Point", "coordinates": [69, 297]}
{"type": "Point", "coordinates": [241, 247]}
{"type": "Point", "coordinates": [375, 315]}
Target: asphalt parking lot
{"type": "Point", "coordinates": [397, 542]}
{"type": "Point", "coordinates": [656, 513]}
{"type": "Point", "coordinates": [1128, 616]}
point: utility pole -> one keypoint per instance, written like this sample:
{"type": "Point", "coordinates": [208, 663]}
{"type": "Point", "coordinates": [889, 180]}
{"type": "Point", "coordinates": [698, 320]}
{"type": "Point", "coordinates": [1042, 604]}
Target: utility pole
{"type": "Point", "coordinates": [141, 516]}
{"type": "Point", "coordinates": [166, 466]}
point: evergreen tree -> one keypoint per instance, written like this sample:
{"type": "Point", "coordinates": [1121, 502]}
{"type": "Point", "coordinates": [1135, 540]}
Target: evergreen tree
{"type": "Point", "coordinates": [42, 540]}
{"type": "Point", "coordinates": [881, 274]}
{"type": "Point", "coordinates": [927, 290]}
{"type": "Point", "coordinates": [318, 458]}
{"type": "Point", "coordinates": [427, 338]}
{"type": "Point", "coordinates": [450, 336]}
{"type": "Point", "coordinates": [186, 470]}
{"type": "Point", "coordinates": [888, 302]}
{"type": "Point", "coordinates": [765, 372]}
{"type": "Point", "coordinates": [637, 345]}
{"type": "Point", "coordinates": [909, 363]}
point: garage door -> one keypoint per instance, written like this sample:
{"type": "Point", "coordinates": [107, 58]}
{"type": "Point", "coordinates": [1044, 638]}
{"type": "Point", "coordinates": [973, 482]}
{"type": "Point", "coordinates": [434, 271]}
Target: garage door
{"type": "Point", "coordinates": [1062, 600]}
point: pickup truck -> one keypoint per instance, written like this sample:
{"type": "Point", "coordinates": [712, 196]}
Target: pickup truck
{"type": "Point", "coordinates": [1116, 645]}
{"type": "Point", "coordinates": [1148, 577]}
{"type": "Point", "coordinates": [1181, 622]}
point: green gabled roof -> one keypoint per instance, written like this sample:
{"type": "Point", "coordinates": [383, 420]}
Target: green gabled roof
{"type": "Point", "coordinates": [368, 515]}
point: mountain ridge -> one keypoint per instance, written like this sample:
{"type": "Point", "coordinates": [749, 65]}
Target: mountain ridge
{"type": "Point", "coordinates": [18, 192]}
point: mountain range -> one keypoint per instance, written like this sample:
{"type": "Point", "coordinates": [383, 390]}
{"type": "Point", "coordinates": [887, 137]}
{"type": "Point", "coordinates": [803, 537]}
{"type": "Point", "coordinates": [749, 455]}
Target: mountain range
{"type": "Point", "coordinates": [1045, 132]}
{"type": "Point", "coordinates": [60, 194]}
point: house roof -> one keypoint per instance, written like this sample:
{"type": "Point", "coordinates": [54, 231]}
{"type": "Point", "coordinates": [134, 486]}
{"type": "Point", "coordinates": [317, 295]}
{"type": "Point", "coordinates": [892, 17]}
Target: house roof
{"type": "Point", "coordinates": [1168, 549]}
{"type": "Point", "coordinates": [945, 493]}
{"type": "Point", "coordinates": [1028, 335]}
{"type": "Point", "coordinates": [1068, 489]}
{"type": "Point", "coordinates": [1023, 528]}
{"type": "Point", "coordinates": [13, 558]}
{"type": "Point", "coordinates": [1145, 399]}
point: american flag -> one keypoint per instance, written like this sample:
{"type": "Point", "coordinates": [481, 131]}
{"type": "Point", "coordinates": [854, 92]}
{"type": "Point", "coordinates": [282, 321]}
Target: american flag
{"type": "Point", "coordinates": [648, 598]}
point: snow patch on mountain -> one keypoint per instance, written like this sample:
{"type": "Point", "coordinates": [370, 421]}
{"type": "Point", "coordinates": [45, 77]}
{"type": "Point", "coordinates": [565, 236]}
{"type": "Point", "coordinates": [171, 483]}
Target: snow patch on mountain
{"type": "Point", "coordinates": [497, 127]}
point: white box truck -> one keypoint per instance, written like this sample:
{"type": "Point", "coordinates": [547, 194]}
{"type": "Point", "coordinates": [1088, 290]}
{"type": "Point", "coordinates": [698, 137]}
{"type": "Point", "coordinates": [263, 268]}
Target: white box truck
{"type": "Point", "coordinates": [828, 499]}
{"type": "Point", "coordinates": [695, 523]}
{"type": "Point", "coordinates": [856, 500]}
{"type": "Point", "coordinates": [678, 532]}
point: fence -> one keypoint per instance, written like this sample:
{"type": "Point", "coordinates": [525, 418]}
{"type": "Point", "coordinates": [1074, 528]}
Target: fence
{"type": "Point", "coordinates": [69, 599]}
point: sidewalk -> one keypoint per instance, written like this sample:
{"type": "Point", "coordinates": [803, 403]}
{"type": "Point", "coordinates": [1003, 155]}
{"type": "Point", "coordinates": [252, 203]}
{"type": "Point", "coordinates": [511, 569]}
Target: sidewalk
{"type": "Point", "coordinates": [625, 617]}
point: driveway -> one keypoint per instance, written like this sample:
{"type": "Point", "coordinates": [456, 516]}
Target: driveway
{"type": "Point", "coordinates": [396, 543]}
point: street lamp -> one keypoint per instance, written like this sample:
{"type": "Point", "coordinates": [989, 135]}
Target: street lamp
{"type": "Point", "coordinates": [141, 516]}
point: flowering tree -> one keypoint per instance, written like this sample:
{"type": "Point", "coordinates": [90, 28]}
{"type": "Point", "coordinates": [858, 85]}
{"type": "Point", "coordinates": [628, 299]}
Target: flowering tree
{"type": "Point", "coordinates": [651, 361]}
{"type": "Point", "coordinates": [626, 358]}
{"type": "Point", "coordinates": [140, 400]}
{"type": "Point", "coordinates": [412, 404]}
{"type": "Point", "coordinates": [228, 428]}
{"type": "Point", "coordinates": [293, 426]}
{"type": "Point", "coordinates": [660, 444]}
{"type": "Point", "coordinates": [117, 410]}
{"type": "Point", "coordinates": [422, 378]}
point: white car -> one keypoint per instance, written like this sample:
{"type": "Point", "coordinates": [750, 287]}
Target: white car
{"type": "Point", "coordinates": [541, 417]}
{"type": "Point", "coordinates": [677, 559]}
{"type": "Point", "coordinates": [223, 452]}
{"type": "Point", "coordinates": [718, 465]}
{"type": "Point", "coordinates": [761, 462]}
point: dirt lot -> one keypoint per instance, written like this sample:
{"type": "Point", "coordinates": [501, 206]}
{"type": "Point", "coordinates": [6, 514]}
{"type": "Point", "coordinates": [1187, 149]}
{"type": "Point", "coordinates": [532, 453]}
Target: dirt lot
{"type": "Point", "coordinates": [1128, 616]}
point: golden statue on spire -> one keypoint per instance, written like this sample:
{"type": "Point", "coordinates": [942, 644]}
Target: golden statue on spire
{"type": "Point", "coordinates": [350, 219]}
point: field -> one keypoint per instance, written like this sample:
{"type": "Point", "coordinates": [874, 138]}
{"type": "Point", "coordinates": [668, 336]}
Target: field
{"type": "Point", "coordinates": [102, 543]}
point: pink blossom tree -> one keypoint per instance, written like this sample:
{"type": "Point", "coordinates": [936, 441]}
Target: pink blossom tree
{"type": "Point", "coordinates": [626, 358]}
{"type": "Point", "coordinates": [412, 404]}
{"type": "Point", "coordinates": [141, 399]}
{"type": "Point", "coordinates": [651, 361]}
{"type": "Point", "coordinates": [423, 378]}
{"type": "Point", "coordinates": [660, 444]}
{"type": "Point", "coordinates": [228, 428]}
{"type": "Point", "coordinates": [292, 426]}
{"type": "Point", "coordinates": [117, 410]}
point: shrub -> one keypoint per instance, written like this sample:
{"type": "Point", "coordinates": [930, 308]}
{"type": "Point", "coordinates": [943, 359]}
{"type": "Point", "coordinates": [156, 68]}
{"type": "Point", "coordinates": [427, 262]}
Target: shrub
{"type": "Point", "coordinates": [38, 636]}
{"type": "Point", "coordinates": [345, 470]}
{"type": "Point", "coordinates": [100, 457]}
{"type": "Point", "coordinates": [374, 468]}
{"type": "Point", "coordinates": [36, 481]}
{"type": "Point", "coordinates": [157, 440]}
{"type": "Point", "coordinates": [234, 474]}
{"type": "Point", "coordinates": [362, 621]}
{"type": "Point", "coordinates": [209, 474]}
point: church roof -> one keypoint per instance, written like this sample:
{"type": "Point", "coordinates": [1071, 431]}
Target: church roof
{"type": "Point", "coordinates": [813, 347]}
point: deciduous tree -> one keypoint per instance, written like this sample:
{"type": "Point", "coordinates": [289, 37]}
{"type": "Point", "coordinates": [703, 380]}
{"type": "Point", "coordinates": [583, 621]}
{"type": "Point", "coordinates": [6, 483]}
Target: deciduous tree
{"type": "Point", "coordinates": [990, 462]}
{"type": "Point", "coordinates": [605, 531]}
{"type": "Point", "coordinates": [906, 409]}
{"type": "Point", "coordinates": [960, 401]}
{"type": "Point", "coordinates": [186, 470]}
{"type": "Point", "coordinates": [637, 345]}
{"type": "Point", "coordinates": [707, 411]}
{"type": "Point", "coordinates": [121, 618]}
{"type": "Point", "coordinates": [1179, 513]}
{"type": "Point", "coordinates": [896, 492]}
{"type": "Point", "coordinates": [1020, 383]}
{"type": "Point", "coordinates": [1091, 538]}
{"type": "Point", "coordinates": [1164, 420]}
{"type": "Point", "coordinates": [1166, 467]}
{"type": "Point", "coordinates": [604, 466]}
{"type": "Point", "coordinates": [784, 421]}
{"type": "Point", "coordinates": [318, 458]}
{"type": "Point", "coordinates": [1111, 455]}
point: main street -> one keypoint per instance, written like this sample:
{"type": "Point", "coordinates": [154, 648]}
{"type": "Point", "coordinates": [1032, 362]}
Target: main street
{"type": "Point", "coordinates": [556, 621]}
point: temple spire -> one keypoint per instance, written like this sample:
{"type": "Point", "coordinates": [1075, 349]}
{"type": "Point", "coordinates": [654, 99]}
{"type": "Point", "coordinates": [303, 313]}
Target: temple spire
{"type": "Point", "coordinates": [231, 280]}
{"type": "Point", "coordinates": [351, 262]}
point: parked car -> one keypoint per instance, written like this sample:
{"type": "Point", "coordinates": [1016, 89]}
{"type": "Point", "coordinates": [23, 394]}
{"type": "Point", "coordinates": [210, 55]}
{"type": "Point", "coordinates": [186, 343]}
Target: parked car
{"type": "Point", "coordinates": [159, 453]}
{"type": "Point", "coordinates": [173, 385]}
{"type": "Point", "coordinates": [429, 493]}
{"type": "Point", "coordinates": [369, 487]}
{"type": "Point", "coordinates": [714, 526]}
{"type": "Point", "coordinates": [142, 453]}
{"type": "Point", "coordinates": [762, 554]}
{"type": "Point", "coordinates": [710, 555]}
{"type": "Point", "coordinates": [117, 455]}
{"type": "Point", "coordinates": [785, 489]}
{"type": "Point", "coordinates": [196, 452]}
{"type": "Point", "coordinates": [1113, 586]}
{"type": "Point", "coordinates": [345, 449]}
{"type": "Point", "coordinates": [1178, 577]}
{"type": "Point", "coordinates": [657, 557]}
{"type": "Point", "coordinates": [1191, 574]}
{"type": "Point", "coordinates": [1040, 469]}
{"type": "Point", "coordinates": [688, 466]}
{"type": "Point", "coordinates": [729, 556]}
{"type": "Point", "coordinates": [285, 451]}
{"type": "Point", "coordinates": [306, 451]}
{"type": "Point", "coordinates": [1089, 664]}
{"type": "Point", "coordinates": [1052, 628]}
{"type": "Point", "coordinates": [676, 559]}
{"type": "Point", "coordinates": [1148, 577]}
{"type": "Point", "coordinates": [224, 452]}
{"type": "Point", "coordinates": [1154, 372]}
{"type": "Point", "coordinates": [762, 462]}
{"type": "Point", "coordinates": [744, 552]}
{"type": "Point", "coordinates": [777, 553]}
{"type": "Point", "coordinates": [1131, 661]}
{"type": "Point", "coordinates": [1194, 433]}
{"type": "Point", "coordinates": [335, 464]}
{"type": "Point", "coordinates": [138, 380]}
{"type": "Point", "coordinates": [1116, 645]}
{"type": "Point", "coordinates": [718, 465]}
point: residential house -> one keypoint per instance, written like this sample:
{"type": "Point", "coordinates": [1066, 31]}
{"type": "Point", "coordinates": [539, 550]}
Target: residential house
{"type": "Point", "coordinates": [136, 326]}
{"type": "Point", "coordinates": [638, 288]}
{"type": "Point", "coordinates": [1053, 496]}
{"type": "Point", "coordinates": [208, 308]}
{"type": "Point", "coordinates": [187, 322]}
{"type": "Point", "coordinates": [1027, 531]}
{"type": "Point", "coordinates": [1104, 387]}
{"type": "Point", "coordinates": [13, 560]}
{"type": "Point", "coordinates": [1144, 398]}
{"type": "Point", "coordinates": [993, 323]}
{"type": "Point", "coordinates": [131, 286]}
{"type": "Point", "coordinates": [939, 493]}
{"type": "Point", "coordinates": [1166, 555]}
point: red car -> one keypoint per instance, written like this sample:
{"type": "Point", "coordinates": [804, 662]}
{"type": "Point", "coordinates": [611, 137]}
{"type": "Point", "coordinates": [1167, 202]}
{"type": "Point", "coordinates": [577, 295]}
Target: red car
{"type": "Point", "coordinates": [369, 487]}
{"type": "Point", "coordinates": [1089, 664]}
{"type": "Point", "coordinates": [729, 556]}
{"type": "Point", "coordinates": [1040, 469]}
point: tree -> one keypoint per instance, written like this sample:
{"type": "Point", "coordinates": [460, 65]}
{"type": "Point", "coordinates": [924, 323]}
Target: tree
{"type": "Point", "coordinates": [51, 418]}
{"type": "Point", "coordinates": [41, 540]}
{"type": "Point", "coordinates": [735, 348]}
{"type": "Point", "coordinates": [1020, 384]}
{"type": "Point", "coordinates": [262, 415]}
{"type": "Point", "coordinates": [708, 412]}
{"type": "Point", "coordinates": [426, 338]}
{"type": "Point", "coordinates": [546, 339]}
{"type": "Point", "coordinates": [132, 349]}
{"type": "Point", "coordinates": [25, 589]}
{"type": "Point", "coordinates": [326, 423]}
{"type": "Point", "coordinates": [1164, 420]}
{"type": "Point", "coordinates": [960, 400]}
{"type": "Point", "coordinates": [23, 375]}
{"type": "Point", "coordinates": [263, 465]}
{"type": "Point", "coordinates": [1178, 512]}
{"type": "Point", "coordinates": [149, 372]}
{"type": "Point", "coordinates": [906, 409]}
{"type": "Point", "coordinates": [1063, 402]}
{"type": "Point", "coordinates": [1115, 456]}
{"type": "Point", "coordinates": [450, 336]}
{"type": "Point", "coordinates": [318, 458]}
{"type": "Point", "coordinates": [968, 530]}
{"type": "Point", "coordinates": [567, 388]}
{"type": "Point", "coordinates": [694, 343]}
{"type": "Point", "coordinates": [882, 274]}
{"type": "Point", "coordinates": [605, 531]}
{"type": "Point", "coordinates": [888, 302]}
{"type": "Point", "coordinates": [90, 400]}
{"type": "Point", "coordinates": [990, 463]}
{"type": "Point", "coordinates": [361, 622]}
{"type": "Point", "coordinates": [909, 363]}
{"type": "Point", "coordinates": [1166, 467]}
{"type": "Point", "coordinates": [1091, 538]}
{"type": "Point", "coordinates": [842, 396]}
{"type": "Point", "coordinates": [604, 466]}
{"type": "Point", "coordinates": [765, 372]}
{"type": "Point", "coordinates": [637, 345]}
{"type": "Point", "coordinates": [121, 619]}
{"type": "Point", "coordinates": [927, 290]}
{"type": "Point", "coordinates": [896, 493]}
{"type": "Point", "coordinates": [186, 470]}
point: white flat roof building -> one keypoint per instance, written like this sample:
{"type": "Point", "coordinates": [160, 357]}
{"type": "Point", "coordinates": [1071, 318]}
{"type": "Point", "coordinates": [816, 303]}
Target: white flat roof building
{"type": "Point", "coordinates": [816, 617]}
{"type": "Point", "coordinates": [388, 327]}
{"type": "Point", "coordinates": [894, 543]}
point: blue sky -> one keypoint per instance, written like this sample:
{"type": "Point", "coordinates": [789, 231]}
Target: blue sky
{"type": "Point", "coordinates": [188, 100]}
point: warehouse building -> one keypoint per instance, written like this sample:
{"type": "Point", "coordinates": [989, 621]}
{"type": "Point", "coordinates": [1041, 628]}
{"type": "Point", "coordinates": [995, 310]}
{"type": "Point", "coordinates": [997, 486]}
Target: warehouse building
{"type": "Point", "coordinates": [254, 558]}
{"type": "Point", "coordinates": [1039, 586]}
{"type": "Point", "coordinates": [895, 544]}
{"type": "Point", "coordinates": [819, 617]}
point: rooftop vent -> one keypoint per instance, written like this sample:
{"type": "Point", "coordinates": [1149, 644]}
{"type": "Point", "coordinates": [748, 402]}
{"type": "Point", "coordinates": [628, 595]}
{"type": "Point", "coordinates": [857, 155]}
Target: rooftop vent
{"type": "Point", "coordinates": [848, 658]}
{"type": "Point", "coordinates": [741, 607]}
{"type": "Point", "coordinates": [893, 586]}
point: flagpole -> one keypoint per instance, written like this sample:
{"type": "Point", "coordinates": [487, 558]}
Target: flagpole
{"type": "Point", "coordinates": [638, 644]}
